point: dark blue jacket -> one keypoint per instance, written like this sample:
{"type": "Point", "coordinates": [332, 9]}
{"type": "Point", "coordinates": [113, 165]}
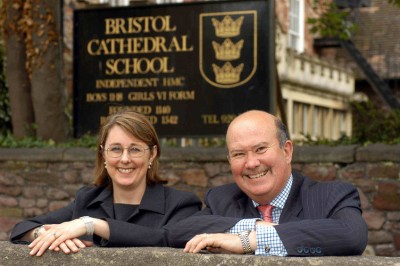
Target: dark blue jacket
{"type": "Point", "coordinates": [145, 227]}
{"type": "Point", "coordinates": [319, 218]}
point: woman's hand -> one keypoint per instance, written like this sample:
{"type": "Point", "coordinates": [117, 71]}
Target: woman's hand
{"type": "Point", "coordinates": [60, 237]}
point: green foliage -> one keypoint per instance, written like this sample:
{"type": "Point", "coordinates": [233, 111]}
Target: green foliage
{"type": "Point", "coordinates": [8, 141]}
{"type": "Point", "coordinates": [394, 2]}
{"type": "Point", "coordinates": [343, 140]}
{"type": "Point", "coordinates": [371, 124]}
{"type": "Point", "coordinates": [332, 22]}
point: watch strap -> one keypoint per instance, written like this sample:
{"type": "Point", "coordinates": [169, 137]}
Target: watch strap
{"type": "Point", "coordinates": [244, 239]}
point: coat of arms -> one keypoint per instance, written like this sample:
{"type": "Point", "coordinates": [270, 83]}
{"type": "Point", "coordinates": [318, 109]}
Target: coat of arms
{"type": "Point", "coordinates": [228, 48]}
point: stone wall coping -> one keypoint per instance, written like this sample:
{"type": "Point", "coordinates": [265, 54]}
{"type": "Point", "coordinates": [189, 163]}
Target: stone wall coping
{"type": "Point", "coordinates": [12, 254]}
{"type": "Point", "coordinates": [301, 154]}
{"type": "Point", "coordinates": [378, 152]}
{"type": "Point", "coordinates": [324, 154]}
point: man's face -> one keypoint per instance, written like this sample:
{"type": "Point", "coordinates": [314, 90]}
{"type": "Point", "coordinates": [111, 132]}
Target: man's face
{"type": "Point", "coordinates": [259, 166]}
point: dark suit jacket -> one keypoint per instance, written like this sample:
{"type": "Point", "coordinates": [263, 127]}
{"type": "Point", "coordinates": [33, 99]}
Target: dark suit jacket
{"type": "Point", "coordinates": [317, 219]}
{"type": "Point", "coordinates": [145, 227]}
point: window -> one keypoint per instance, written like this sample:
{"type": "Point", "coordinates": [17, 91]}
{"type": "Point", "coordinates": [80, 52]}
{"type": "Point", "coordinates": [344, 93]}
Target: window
{"type": "Point", "coordinates": [296, 25]}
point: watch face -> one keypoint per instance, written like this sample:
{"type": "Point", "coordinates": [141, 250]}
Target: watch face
{"type": "Point", "coordinates": [245, 233]}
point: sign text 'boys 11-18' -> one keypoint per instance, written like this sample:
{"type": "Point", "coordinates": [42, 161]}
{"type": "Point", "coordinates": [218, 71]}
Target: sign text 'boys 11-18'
{"type": "Point", "coordinates": [190, 68]}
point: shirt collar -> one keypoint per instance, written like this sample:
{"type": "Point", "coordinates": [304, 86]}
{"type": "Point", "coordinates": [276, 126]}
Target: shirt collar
{"type": "Point", "coordinates": [279, 201]}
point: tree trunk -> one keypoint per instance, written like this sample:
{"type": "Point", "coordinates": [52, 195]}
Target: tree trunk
{"type": "Point", "coordinates": [17, 76]}
{"type": "Point", "coordinates": [47, 87]}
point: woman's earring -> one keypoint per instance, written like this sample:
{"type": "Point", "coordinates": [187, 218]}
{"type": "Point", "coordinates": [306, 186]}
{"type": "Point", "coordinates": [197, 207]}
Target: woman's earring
{"type": "Point", "coordinates": [149, 165]}
{"type": "Point", "coordinates": [105, 164]}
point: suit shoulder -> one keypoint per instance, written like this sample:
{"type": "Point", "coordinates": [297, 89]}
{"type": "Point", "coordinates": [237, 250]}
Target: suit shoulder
{"type": "Point", "coordinates": [228, 188]}
{"type": "Point", "coordinates": [224, 191]}
{"type": "Point", "coordinates": [328, 188]}
{"type": "Point", "coordinates": [89, 191]}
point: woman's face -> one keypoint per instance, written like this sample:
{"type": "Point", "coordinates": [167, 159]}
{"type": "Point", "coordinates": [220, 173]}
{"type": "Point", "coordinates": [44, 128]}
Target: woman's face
{"type": "Point", "coordinates": [127, 159]}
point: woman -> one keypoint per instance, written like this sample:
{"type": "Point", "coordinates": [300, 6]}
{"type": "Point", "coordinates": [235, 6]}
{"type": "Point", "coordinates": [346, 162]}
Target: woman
{"type": "Point", "coordinates": [128, 206]}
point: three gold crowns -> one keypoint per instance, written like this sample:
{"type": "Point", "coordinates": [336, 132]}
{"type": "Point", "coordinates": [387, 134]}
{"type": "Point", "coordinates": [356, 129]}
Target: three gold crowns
{"type": "Point", "coordinates": [227, 51]}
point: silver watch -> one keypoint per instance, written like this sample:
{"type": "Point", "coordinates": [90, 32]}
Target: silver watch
{"type": "Point", "coordinates": [244, 238]}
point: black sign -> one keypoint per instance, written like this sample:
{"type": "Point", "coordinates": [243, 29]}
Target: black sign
{"type": "Point", "coordinates": [191, 68]}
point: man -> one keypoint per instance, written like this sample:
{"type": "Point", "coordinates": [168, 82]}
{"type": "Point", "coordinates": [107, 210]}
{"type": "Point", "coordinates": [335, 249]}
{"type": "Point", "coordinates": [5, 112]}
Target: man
{"type": "Point", "coordinates": [308, 218]}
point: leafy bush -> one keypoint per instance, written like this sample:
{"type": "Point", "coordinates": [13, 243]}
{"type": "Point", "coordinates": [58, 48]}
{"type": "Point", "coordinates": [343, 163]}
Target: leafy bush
{"type": "Point", "coordinates": [332, 21]}
{"type": "Point", "coordinates": [8, 141]}
{"type": "Point", "coordinates": [372, 125]}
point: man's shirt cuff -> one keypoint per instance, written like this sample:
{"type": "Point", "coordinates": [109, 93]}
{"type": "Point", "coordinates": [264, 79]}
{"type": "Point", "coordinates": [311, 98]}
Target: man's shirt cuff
{"type": "Point", "coordinates": [269, 242]}
{"type": "Point", "coordinates": [244, 224]}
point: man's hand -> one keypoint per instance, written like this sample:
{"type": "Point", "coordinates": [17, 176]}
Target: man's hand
{"type": "Point", "coordinates": [219, 243]}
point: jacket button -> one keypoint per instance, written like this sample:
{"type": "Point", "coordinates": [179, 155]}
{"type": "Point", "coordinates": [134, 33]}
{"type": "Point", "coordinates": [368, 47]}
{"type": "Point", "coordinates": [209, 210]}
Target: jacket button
{"type": "Point", "coordinates": [300, 250]}
{"type": "Point", "coordinates": [312, 250]}
{"type": "Point", "coordinates": [318, 250]}
{"type": "Point", "coordinates": [267, 248]}
{"type": "Point", "coordinates": [306, 250]}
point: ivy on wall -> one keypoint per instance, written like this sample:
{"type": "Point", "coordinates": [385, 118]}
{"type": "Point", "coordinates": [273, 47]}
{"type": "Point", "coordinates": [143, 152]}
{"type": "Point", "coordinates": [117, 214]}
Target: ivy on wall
{"type": "Point", "coordinates": [35, 21]}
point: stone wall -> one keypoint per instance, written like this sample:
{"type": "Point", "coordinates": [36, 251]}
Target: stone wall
{"type": "Point", "coordinates": [35, 181]}
{"type": "Point", "coordinates": [18, 255]}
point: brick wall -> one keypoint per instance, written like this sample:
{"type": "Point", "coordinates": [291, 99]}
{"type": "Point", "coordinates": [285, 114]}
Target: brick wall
{"type": "Point", "coordinates": [35, 181]}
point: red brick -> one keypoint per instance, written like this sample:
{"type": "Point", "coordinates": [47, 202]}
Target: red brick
{"type": "Point", "coordinates": [388, 197]}
{"type": "Point", "coordinates": [194, 177]}
{"type": "Point", "coordinates": [396, 240]}
{"type": "Point", "coordinates": [7, 223]}
{"type": "Point", "coordinates": [320, 172]}
{"type": "Point", "coordinates": [366, 185]}
{"type": "Point", "coordinates": [383, 170]}
{"type": "Point", "coordinates": [10, 191]}
{"type": "Point", "coordinates": [379, 237]}
{"type": "Point", "coordinates": [56, 194]}
{"type": "Point", "coordinates": [221, 180]}
{"type": "Point", "coordinates": [374, 220]}
{"type": "Point", "coordinates": [8, 201]}
{"type": "Point", "coordinates": [354, 171]}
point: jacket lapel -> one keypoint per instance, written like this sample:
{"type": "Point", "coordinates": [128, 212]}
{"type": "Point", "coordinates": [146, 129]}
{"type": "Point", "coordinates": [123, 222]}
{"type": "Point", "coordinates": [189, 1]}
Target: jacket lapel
{"type": "Point", "coordinates": [293, 206]}
{"type": "Point", "coordinates": [153, 201]}
{"type": "Point", "coordinates": [246, 207]}
{"type": "Point", "coordinates": [105, 199]}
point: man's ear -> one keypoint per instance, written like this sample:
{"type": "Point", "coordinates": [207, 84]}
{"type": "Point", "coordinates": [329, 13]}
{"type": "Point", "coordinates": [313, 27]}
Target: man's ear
{"type": "Point", "coordinates": [288, 150]}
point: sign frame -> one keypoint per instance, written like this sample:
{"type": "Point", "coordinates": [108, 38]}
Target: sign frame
{"type": "Point", "coordinates": [197, 103]}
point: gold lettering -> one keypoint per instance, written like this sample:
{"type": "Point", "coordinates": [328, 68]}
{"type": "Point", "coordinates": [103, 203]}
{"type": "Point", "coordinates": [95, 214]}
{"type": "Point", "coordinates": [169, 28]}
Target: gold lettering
{"type": "Point", "coordinates": [138, 45]}
{"type": "Point", "coordinates": [133, 25]}
{"type": "Point", "coordinates": [152, 118]}
{"type": "Point", "coordinates": [161, 95]}
{"type": "Point", "coordinates": [141, 96]}
{"type": "Point", "coordinates": [143, 109]}
{"type": "Point", "coordinates": [227, 118]}
{"type": "Point", "coordinates": [163, 109]}
{"type": "Point", "coordinates": [169, 119]}
{"type": "Point", "coordinates": [115, 97]}
{"type": "Point", "coordinates": [181, 95]}
{"type": "Point", "coordinates": [210, 119]}
{"type": "Point", "coordinates": [184, 45]}
{"type": "Point", "coordinates": [96, 97]}
{"type": "Point", "coordinates": [115, 26]}
{"type": "Point", "coordinates": [126, 83]}
{"type": "Point", "coordinates": [170, 82]}
{"type": "Point", "coordinates": [126, 66]}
